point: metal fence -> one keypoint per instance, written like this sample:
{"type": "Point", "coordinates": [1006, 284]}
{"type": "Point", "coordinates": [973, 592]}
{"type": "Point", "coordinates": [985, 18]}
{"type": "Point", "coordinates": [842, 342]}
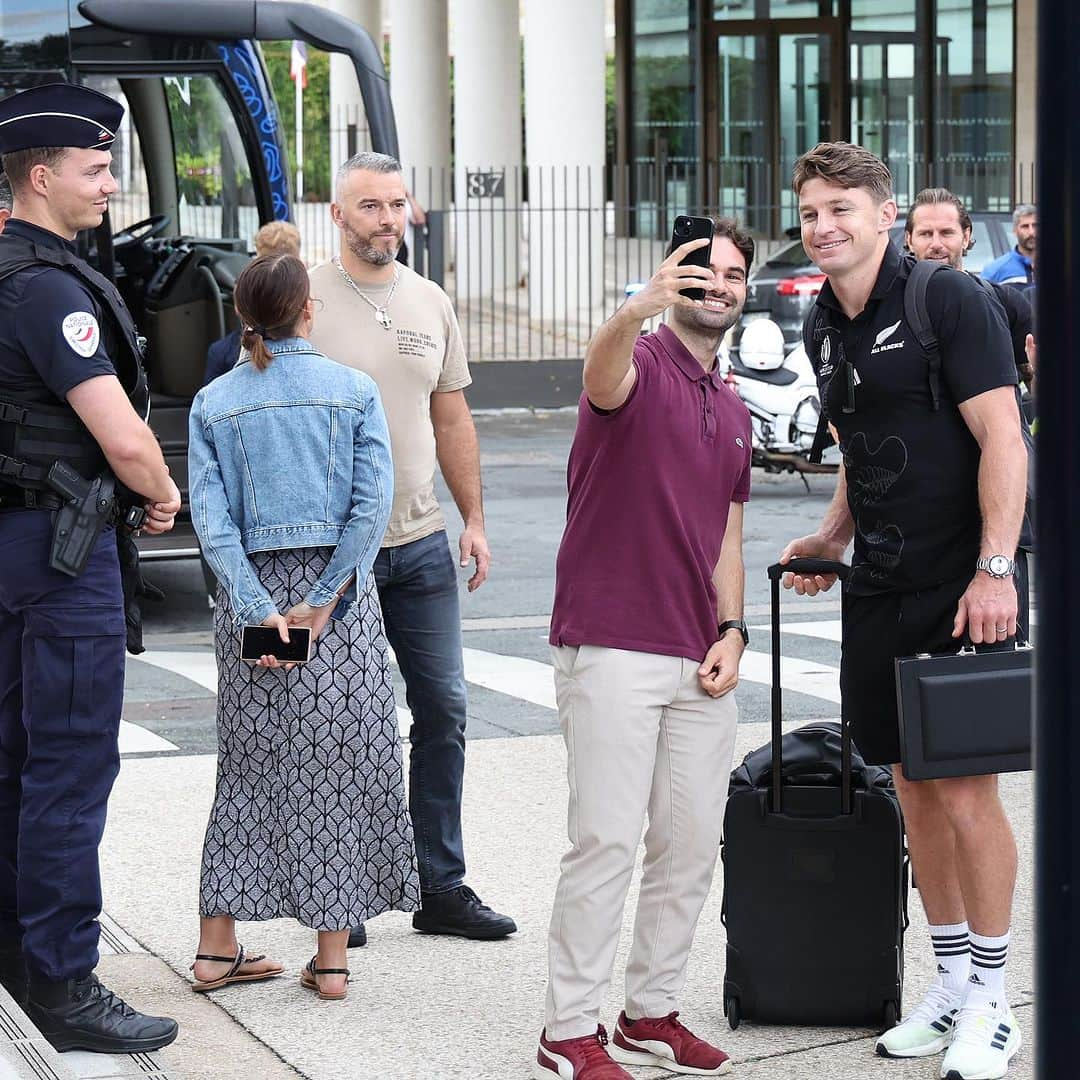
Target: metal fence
{"type": "Point", "coordinates": [535, 259]}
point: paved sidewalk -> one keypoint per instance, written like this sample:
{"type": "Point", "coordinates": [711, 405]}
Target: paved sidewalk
{"type": "Point", "coordinates": [423, 1008]}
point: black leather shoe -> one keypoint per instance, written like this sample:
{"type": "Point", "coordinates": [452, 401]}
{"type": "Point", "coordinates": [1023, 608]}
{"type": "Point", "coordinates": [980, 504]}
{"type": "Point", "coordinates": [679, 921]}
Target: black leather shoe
{"type": "Point", "coordinates": [357, 937]}
{"type": "Point", "coordinates": [461, 912]}
{"type": "Point", "coordinates": [81, 1014]}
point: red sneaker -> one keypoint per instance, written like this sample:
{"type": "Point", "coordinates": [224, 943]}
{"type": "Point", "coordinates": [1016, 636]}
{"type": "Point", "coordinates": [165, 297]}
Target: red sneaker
{"type": "Point", "coordinates": [577, 1059]}
{"type": "Point", "coordinates": [667, 1043]}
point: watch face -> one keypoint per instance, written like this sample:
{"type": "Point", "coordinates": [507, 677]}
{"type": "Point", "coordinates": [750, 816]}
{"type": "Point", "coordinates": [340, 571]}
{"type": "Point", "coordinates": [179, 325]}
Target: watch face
{"type": "Point", "coordinates": [1000, 565]}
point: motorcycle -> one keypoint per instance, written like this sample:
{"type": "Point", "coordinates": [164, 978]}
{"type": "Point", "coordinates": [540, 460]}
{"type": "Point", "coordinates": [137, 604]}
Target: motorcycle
{"type": "Point", "coordinates": [781, 394]}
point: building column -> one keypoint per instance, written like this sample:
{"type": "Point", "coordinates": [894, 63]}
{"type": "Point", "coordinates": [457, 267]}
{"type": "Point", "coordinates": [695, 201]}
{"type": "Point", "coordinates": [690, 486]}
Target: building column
{"type": "Point", "coordinates": [487, 146]}
{"type": "Point", "coordinates": [349, 131]}
{"type": "Point", "coordinates": [420, 88]}
{"type": "Point", "coordinates": [1026, 76]}
{"type": "Point", "coordinates": [564, 138]}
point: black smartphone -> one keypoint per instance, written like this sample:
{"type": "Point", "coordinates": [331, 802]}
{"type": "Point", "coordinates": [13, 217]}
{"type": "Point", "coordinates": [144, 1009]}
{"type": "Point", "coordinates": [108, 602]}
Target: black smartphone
{"type": "Point", "coordinates": [685, 229]}
{"type": "Point", "coordinates": [258, 641]}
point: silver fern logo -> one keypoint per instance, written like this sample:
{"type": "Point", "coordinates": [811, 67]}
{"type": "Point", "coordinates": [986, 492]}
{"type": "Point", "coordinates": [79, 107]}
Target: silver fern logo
{"type": "Point", "coordinates": [879, 341]}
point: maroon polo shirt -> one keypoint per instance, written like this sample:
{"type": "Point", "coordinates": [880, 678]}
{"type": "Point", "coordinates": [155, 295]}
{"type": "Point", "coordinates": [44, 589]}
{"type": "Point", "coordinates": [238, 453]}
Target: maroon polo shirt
{"type": "Point", "coordinates": [650, 487]}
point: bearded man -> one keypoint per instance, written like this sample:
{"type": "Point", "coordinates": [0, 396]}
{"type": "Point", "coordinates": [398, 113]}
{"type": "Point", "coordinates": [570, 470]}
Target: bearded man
{"type": "Point", "coordinates": [386, 320]}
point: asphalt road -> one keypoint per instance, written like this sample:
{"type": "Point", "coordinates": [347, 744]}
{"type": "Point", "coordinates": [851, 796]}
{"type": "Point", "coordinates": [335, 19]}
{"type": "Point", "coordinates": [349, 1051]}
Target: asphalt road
{"type": "Point", "coordinates": [524, 463]}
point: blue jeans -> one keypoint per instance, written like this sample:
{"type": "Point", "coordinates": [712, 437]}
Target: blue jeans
{"type": "Point", "coordinates": [417, 585]}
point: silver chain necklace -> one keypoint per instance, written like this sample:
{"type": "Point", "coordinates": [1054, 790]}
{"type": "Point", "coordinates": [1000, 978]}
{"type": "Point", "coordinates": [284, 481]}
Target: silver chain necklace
{"type": "Point", "coordinates": [382, 316]}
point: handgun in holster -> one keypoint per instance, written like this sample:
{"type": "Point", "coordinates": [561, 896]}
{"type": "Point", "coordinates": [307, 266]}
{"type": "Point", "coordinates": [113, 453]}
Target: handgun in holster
{"type": "Point", "coordinates": [87, 509]}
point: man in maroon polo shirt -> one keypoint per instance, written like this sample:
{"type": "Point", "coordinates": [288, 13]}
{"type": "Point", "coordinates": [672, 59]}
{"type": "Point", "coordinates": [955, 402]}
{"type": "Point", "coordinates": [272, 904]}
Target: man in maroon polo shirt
{"type": "Point", "coordinates": [646, 635]}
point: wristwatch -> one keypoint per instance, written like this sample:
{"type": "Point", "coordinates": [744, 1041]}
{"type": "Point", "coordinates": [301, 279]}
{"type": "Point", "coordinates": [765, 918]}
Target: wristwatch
{"type": "Point", "coordinates": [734, 624]}
{"type": "Point", "coordinates": [997, 566]}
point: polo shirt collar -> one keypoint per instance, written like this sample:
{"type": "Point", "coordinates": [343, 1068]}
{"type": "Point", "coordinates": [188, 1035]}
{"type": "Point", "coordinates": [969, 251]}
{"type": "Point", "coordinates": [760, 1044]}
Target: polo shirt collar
{"type": "Point", "coordinates": [684, 360]}
{"type": "Point", "coordinates": [890, 267]}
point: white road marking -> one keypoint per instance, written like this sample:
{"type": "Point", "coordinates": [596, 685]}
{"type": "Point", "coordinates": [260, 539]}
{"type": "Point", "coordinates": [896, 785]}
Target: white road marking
{"type": "Point", "coordinates": [199, 667]}
{"type": "Point", "coordinates": [138, 740]}
{"type": "Point", "coordinates": [826, 629]}
{"type": "Point", "coordinates": [513, 675]}
{"type": "Point", "coordinates": [532, 681]}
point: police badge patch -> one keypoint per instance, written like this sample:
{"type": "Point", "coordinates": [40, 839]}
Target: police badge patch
{"type": "Point", "coordinates": [81, 332]}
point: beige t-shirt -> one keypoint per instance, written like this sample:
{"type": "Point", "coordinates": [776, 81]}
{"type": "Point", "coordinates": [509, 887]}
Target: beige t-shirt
{"type": "Point", "coordinates": [420, 355]}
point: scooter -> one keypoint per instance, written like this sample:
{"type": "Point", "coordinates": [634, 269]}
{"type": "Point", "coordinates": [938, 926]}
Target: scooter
{"type": "Point", "coordinates": [781, 393]}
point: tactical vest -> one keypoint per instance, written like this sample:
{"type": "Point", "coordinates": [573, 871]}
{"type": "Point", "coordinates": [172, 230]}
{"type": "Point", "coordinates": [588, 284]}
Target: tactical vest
{"type": "Point", "coordinates": [32, 435]}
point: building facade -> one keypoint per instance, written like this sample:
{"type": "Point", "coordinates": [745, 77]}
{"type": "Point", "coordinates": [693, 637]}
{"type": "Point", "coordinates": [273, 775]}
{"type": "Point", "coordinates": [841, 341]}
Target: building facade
{"type": "Point", "coordinates": [717, 98]}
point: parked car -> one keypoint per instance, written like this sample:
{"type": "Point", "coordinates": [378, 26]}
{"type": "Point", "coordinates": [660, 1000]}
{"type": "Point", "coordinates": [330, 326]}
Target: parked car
{"type": "Point", "coordinates": [787, 283]}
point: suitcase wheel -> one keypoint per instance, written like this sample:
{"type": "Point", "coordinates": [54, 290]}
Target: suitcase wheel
{"type": "Point", "coordinates": [890, 1015]}
{"type": "Point", "coordinates": [731, 1011]}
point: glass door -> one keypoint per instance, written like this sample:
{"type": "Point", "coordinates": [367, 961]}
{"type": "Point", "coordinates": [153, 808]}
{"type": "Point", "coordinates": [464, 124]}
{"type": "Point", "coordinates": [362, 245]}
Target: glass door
{"type": "Point", "coordinates": [739, 169]}
{"type": "Point", "coordinates": [772, 91]}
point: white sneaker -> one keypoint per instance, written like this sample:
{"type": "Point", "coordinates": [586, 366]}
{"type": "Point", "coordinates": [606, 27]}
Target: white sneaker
{"type": "Point", "coordinates": [985, 1039]}
{"type": "Point", "coordinates": [926, 1030]}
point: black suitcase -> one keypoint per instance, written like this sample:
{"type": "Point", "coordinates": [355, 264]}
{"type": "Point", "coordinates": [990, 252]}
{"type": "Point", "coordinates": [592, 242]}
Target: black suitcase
{"type": "Point", "coordinates": [815, 875]}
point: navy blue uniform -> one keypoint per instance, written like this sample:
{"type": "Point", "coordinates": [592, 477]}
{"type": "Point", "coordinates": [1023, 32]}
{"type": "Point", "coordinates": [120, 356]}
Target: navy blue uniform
{"type": "Point", "coordinates": [61, 651]}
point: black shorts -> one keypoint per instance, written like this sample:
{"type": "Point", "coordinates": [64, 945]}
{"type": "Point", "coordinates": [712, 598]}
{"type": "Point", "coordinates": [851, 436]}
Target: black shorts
{"type": "Point", "coordinates": [878, 629]}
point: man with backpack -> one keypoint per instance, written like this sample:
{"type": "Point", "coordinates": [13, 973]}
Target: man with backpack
{"type": "Point", "coordinates": [932, 492]}
{"type": "Point", "coordinates": [938, 231]}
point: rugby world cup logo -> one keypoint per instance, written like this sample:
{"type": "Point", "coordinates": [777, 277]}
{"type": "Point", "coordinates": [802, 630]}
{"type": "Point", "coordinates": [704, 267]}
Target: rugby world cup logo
{"type": "Point", "coordinates": [824, 357]}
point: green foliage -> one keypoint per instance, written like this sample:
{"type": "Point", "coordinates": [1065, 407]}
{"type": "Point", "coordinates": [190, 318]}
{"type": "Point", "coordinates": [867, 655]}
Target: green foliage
{"type": "Point", "coordinates": [317, 180]}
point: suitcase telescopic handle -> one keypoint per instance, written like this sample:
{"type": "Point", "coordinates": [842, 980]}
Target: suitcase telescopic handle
{"type": "Point", "coordinates": [803, 566]}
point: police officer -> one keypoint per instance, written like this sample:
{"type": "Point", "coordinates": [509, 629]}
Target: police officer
{"type": "Point", "coordinates": [72, 436]}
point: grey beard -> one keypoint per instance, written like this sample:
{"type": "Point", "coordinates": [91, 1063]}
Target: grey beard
{"type": "Point", "coordinates": [368, 252]}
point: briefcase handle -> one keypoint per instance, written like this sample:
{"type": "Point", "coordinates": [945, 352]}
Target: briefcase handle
{"type": "Point", "coordinates": [776, 571]}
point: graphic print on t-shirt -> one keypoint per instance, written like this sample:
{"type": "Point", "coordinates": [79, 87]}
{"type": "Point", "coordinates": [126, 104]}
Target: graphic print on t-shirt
{"type": "Point", "coordinates": [870, 474]}
{"type": "Point", "coordinates": [416, 343]}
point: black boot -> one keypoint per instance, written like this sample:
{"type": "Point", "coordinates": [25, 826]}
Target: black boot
{"type": "Point", "coordinates": [357, 937]}
{"type": "Point", "coordinates": [461, 912]}
{"type": "Point", "coordinates": [13, 969]}
{"type": "Point", "coordinates": [81, 1014]}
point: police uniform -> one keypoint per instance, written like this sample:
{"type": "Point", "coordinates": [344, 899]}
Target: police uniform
{"type": "Point", "coordinates": [912, 475]}
{"type": "Point", "coordinates": [62, 627]}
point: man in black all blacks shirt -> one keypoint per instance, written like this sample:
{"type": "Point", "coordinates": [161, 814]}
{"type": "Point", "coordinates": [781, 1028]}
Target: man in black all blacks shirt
{"type": "Point", "coordinates": [933, 498]}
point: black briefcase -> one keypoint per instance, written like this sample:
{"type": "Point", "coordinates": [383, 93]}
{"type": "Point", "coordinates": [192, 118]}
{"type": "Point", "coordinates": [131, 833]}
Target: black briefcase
{"type": "Point", "coordinates": [965, 713]}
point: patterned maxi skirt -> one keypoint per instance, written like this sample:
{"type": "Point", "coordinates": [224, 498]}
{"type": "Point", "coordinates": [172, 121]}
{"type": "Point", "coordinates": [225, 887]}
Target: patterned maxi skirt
{"type": "Point", "coordinates": [309, 818]}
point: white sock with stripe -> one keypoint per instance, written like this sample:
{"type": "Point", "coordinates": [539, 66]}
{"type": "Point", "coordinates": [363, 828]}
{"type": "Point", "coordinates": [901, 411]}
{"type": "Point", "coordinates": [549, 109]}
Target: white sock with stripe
{"type": "Point", "coordinates": [988, 957]}
{"type": "Point", "coordinates": [952, 953]}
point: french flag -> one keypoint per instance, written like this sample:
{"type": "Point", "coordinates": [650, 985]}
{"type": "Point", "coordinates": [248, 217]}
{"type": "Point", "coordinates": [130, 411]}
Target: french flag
{"type": "Point", "coordinates": [298, 64]}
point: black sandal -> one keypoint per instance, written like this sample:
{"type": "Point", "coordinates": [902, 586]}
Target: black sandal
{"type": "Point", "coordinates": [232, 975]}
{"type": "Point", "coordinates": [309, 979]}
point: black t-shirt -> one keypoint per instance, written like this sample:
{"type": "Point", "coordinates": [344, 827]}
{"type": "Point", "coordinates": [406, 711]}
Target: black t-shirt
{"type": "Point", "coordinates": [52, 333]}
{"type": "Point", "coordinates": [1019, 315]}
{"type": "Point", "coordinates": [912, 472]}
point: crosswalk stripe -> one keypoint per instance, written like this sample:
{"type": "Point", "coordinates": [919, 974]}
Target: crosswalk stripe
{"type": "Point", "coordinates": [826, 629]}
{"type": "Point", "coordinates": [532, 681]}
{"type": "Point", "coordinates": [138, 740]}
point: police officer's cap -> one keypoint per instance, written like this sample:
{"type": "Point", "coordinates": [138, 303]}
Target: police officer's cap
{"type": "Point", "coordinates": [58, 114]}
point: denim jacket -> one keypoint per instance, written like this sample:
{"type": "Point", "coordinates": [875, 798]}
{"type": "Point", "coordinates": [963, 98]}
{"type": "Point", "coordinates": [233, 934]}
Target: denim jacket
{"type": "Point", "coordinates": [294, 456]}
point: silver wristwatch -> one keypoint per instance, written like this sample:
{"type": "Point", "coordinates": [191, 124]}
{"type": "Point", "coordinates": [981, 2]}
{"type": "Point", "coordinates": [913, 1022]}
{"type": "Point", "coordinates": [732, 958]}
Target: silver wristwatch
{"type": "Point", "coordinates": [997, 566]}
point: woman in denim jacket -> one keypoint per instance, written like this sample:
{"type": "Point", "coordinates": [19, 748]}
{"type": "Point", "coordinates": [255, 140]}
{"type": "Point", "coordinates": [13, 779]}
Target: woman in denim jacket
{"type": "Point", "coordinates": [291, 484]}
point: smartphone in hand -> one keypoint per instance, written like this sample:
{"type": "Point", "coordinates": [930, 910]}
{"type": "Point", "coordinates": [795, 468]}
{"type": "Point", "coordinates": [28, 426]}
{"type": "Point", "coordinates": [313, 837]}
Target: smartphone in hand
{"type": "Point", "coordinates": [685, 229]}
{"type": "Point", "coordinates": [258, 641]}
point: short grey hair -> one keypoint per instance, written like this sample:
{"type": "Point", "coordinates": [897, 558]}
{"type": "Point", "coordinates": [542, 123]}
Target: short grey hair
{"type": "Point", "coordinates": [7, 200]}
{"type": "Point", "coordinates": [1024, 210]}
{"type": "Point", "coordinates": [367, 160]}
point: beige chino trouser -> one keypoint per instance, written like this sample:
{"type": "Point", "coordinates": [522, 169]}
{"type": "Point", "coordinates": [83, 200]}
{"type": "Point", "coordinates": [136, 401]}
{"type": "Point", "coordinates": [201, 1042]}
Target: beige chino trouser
{"type": "Point", "coordinates": [641, 737]}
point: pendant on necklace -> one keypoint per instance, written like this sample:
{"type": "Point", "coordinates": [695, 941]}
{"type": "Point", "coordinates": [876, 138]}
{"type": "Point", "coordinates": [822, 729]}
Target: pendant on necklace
{"type": "Point", "coordinates": [382, 317]}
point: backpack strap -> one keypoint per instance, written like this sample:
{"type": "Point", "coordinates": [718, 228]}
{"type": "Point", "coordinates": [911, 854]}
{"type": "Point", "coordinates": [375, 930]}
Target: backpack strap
{"type": "Point", "coordinates": [813, 325]}
{"type": "Point", "coordinates": [917, 316]}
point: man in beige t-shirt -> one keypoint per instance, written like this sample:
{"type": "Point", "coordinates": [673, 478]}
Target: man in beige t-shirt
{"type": "Point", "coordinates": [384, 319]}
